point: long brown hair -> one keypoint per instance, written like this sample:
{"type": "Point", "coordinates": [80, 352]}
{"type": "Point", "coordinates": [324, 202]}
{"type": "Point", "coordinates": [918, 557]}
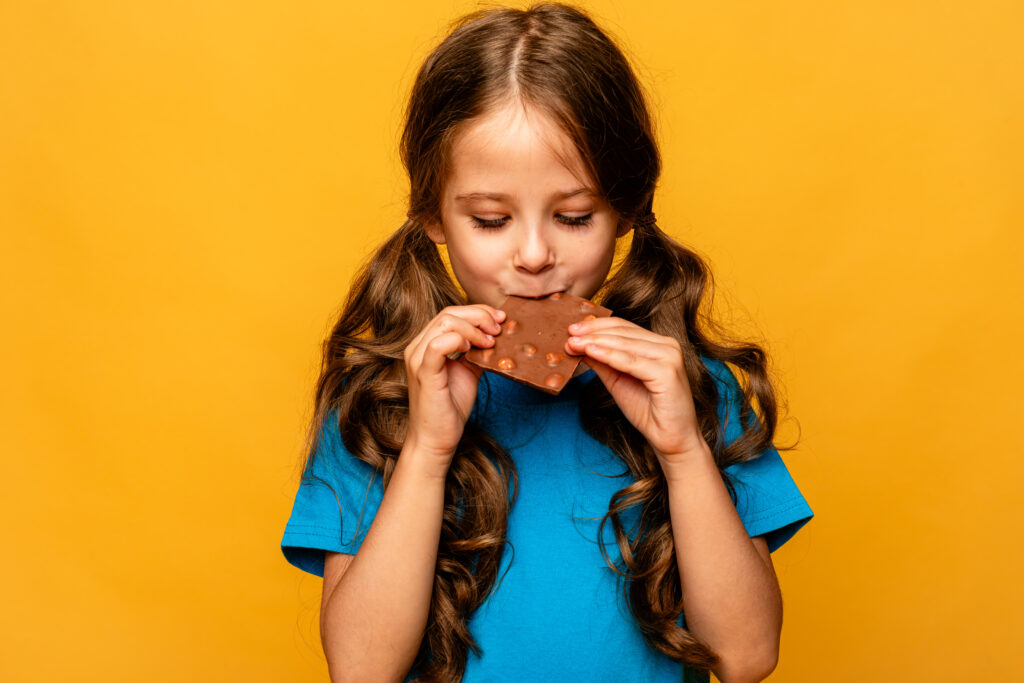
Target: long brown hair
{"type": "Point", "coordinates": [554, 58]}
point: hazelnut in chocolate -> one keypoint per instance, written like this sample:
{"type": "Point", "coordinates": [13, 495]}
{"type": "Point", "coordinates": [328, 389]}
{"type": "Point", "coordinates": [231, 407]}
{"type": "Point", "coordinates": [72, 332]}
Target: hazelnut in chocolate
{"type": "Point", "coordinates": [531, 345]}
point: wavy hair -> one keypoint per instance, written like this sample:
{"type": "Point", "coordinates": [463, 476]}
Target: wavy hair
{"type": "Point", "coordinates": [554, 58]}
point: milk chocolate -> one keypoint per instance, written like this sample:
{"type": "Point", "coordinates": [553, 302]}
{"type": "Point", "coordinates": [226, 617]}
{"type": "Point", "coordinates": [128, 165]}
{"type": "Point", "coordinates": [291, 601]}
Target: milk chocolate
{"type": "Point", "coordinates": [531, 345]}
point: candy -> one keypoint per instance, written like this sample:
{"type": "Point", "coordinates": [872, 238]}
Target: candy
{"type": "Point", "coordinates": [531, 345]}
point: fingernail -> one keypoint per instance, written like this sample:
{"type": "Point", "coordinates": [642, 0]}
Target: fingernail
{"type": "Point", "coordinates": [574, 340]}
{"type": "Point", "coordinates": [575, 327]}
{"type": "Point", "coordinates": [489, 338]}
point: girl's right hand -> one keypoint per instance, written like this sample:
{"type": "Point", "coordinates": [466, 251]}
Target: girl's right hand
{"type": "Point", "coordinates": [442, 391]}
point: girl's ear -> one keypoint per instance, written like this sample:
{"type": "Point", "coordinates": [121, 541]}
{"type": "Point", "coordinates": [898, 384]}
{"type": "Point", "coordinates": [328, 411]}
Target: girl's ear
{"type": "Point", "coordinates": [435, 231]}
{"type": "Point", "coordinates": [623, 228]}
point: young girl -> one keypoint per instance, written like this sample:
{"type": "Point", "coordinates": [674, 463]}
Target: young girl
{"type": "Point", "coordinates": [472, 528]}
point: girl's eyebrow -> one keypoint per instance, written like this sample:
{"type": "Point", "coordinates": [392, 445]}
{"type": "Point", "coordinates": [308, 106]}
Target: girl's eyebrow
{"type": "Point", "coordinates": [469, 196]}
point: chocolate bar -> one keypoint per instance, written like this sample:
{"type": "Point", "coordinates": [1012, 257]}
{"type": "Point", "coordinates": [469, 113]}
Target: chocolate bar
{"type": "Point", "coordinates": [531, 345]}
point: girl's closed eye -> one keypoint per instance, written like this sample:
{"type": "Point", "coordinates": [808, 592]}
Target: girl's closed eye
{"type": "Point", "coordinates": [571, 221]}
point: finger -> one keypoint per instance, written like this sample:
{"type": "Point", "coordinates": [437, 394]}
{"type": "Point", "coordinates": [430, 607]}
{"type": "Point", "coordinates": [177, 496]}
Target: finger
{"type": "Point", "coordinates": [478, 321]}
{"type": "Point", "coordinates": [612, 324]}
{"type": "Point", "coordinates": [464, 323]}
{"type": "Point", "coordinates": [472, 335]}
{"type": "Point", "coordinates": [479, 332]}
{"type": "Point", "coordinates": [606, 374]}
{"type": "Point", "coordinates": [435, 352]}
{"type": "Point", "coordinates": [479, 315]}
{"type": "Point", "coordinates": [475, 369]}
{"type": "Point", "coordinates": [483, 316]}
{"type": "Point", "coordinates": [655, 349]}
{"type": "Point", "coordinates": [628, 361]}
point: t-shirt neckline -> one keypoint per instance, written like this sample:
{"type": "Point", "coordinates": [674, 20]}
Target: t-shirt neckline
{"type": "Point", "coordinates": [496, 387]}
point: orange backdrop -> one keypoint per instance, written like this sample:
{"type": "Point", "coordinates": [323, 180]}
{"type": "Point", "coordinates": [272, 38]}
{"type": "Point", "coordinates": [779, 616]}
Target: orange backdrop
{"type": "Point", "coordinates": [186, 189]}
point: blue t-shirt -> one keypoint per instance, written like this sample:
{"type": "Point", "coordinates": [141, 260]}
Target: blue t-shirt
{"type": "Point", "coordinates": [557, 612]}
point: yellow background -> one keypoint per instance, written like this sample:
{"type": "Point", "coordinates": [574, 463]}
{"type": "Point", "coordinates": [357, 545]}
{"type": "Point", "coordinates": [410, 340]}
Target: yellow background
{"type": "Point", "coordinates": [186, 189]}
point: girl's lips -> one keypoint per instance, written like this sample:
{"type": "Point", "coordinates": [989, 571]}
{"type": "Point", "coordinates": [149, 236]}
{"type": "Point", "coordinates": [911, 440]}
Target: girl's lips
{"type": "Point", "coordinates": [538, 296]}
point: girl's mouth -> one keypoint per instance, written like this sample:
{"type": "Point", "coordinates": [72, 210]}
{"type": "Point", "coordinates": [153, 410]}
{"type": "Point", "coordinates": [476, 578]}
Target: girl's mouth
{"type": "Point", "coordinates": [539, 296]}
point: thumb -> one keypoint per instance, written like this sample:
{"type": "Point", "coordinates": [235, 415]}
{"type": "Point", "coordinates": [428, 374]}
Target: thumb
{"type": "Point", "coordinates": [475, 369]}
{"type": "Point", "coordinates": [604, 372]}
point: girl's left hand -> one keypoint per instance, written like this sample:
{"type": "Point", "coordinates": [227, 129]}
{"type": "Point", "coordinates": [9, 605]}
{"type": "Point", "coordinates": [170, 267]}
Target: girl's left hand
{"type": "Point", "coordinates": [644, 373]}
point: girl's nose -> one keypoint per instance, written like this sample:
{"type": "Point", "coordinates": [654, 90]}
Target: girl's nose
{"type": "Point", "coordinates": [534, 254]}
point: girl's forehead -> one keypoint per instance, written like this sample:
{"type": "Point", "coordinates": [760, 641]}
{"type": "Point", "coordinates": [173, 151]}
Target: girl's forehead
{"type": "Point", "coordinates": [511, 126]}
{"type": "Point", "coordinates": [512, 145]}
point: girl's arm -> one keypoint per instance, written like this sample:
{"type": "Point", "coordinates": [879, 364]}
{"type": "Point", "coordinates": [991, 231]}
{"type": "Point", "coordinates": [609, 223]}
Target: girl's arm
{"type": "Point", "coordinates": [373, 618]}
{"type": "Point", "coordinates": [731, 596]}
{"type": "Point", "coordinates": [374, 614]}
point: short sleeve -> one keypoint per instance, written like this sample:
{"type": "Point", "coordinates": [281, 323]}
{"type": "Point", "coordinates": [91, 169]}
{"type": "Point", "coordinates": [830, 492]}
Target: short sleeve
{"type": "Point", "coordinates": [767, 499]}
{"type": "Point", "coordinates": [338, 498]}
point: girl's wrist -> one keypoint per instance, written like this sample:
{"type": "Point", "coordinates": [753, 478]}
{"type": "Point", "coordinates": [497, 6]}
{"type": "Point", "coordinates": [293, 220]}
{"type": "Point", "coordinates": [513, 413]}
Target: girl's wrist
{"type": "Point", "coordinates": [679, 467]}
{"type": "Point", "coordinates": [425, 462]}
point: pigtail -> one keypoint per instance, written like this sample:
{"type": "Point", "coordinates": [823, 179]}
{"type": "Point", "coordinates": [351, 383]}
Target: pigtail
{"type": "Point", "coordinates": [393, 297]}
{"type": "Point", "coordinates": [661, 286]}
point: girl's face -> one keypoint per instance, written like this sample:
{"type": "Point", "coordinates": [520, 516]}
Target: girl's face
{"type": "Point", "coordinates": [517, 219]}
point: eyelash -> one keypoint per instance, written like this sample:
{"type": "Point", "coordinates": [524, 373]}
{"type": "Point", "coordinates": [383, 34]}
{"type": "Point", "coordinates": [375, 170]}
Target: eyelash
{"type": "Point", "coordinates": [570, 221]}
